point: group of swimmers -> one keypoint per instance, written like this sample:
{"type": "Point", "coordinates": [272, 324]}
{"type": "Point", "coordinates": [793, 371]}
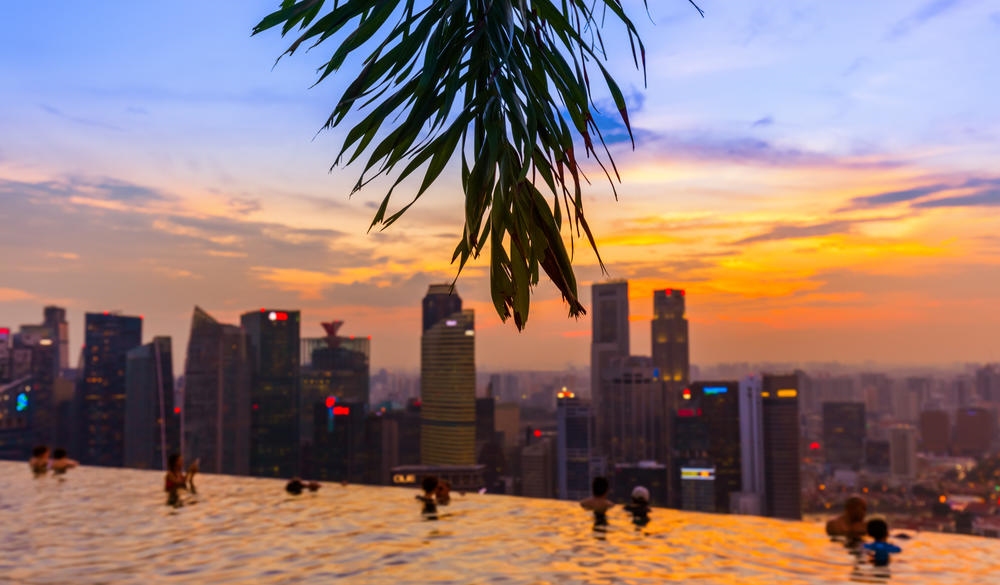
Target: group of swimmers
{"type": "Point", "coordinates": [42, 461]}
{"type": "Point", "coordinates": [853, 528]}
{"type": "Point", "coordinates": [599, 504]}
{"type": "Point", "coordinates": [437, 492]}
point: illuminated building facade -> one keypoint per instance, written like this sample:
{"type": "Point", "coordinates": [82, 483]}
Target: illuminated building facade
{"type": "Point", "coordinates": [101, 387]}
{"type": "Point", "coordinates": [274, 345]}
{"type": "Point", "coordinates": [670, 341]}
{"type": "Point", "coordinates": [447, 382]}
{"type": "Point", "coordinates": [574, 446]}
{"type": "Point", "coordinates": [782, 473]}
{"type": "Point", "coordinates": [152, 422]}
{"type": "Point", "coordinates": [217, 406]}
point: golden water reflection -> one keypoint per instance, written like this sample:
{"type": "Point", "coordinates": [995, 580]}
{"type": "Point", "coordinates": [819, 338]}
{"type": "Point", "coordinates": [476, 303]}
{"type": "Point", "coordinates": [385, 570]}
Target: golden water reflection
{"type": "Point", "coordinates": [111, 526]}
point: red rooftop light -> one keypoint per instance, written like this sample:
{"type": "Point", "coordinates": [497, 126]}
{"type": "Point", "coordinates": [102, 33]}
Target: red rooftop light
{"type": "Point", "coordinates": [669, 291]}
{"type": "Point", "coordinates": [538, 432]}
{"type": "Point", "coordinates": [177, 410]}
{"type": "Point", "coordinates": [814, 446]}
{"type": "Point", "coordinates": [330, 401]}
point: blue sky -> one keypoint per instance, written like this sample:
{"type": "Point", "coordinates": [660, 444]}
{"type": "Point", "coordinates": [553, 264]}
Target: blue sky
{"type": "Point", "coordinates": [152, 157]}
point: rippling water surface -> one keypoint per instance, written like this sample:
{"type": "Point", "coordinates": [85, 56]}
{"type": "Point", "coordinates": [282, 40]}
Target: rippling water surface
{"type": "Point", "coordinates": [111, 526]}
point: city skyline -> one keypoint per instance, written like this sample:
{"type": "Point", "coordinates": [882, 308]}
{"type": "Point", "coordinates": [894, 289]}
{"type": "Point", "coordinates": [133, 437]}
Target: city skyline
{"type": "Point", "coordinates": [809, 204]}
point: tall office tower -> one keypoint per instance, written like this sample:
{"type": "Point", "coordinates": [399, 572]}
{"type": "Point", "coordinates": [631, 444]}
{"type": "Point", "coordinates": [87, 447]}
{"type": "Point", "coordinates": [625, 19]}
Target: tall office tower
{"type": "Point", "coordinates": [507, 418]}
{"type": "Point", "coordinates": [152, 423]}
{"type": "Point", "coordinates": [37, 357]}
{"type": "Point", "coordinates": [55, 320]}
{"type": "Point", "coordinates": [988, 382]}
{"type": "Point", "coordinates": [720, 406]}
{"type": "Point", "coordinates": [844, 434]}
{"type": "Point", "coordinates": [609, 340]}
{"type": "Point", "coordinates": [447, 383]}
{"type": "Point", "coordinates": [783, 498]}
{"type": "Point", "coordinates": [697, 486]}
{"type": "Point", "coordinates": [5, 365]}
{"type": "Point", "coordinates": [216, 407]}
{"type": "Point", "coordinates": [935, 432]}
{"type": "Point", "coordinates": [338, 447]}
{"type": "Point", "coordinates": [750, 499]}
{"type": "Point", "coordinates": [877, 457]}
{"type": "Point", "coordinates": [903, 453]}
{"type": "Point", "coordinates": [440, 303]}
{"type": "Point", "coordinates": [634, 412]}
{"type": "Point", "coordinates": [573, 446]}
{"type": "Point", "coordinates": [974, 431]}
{"type": "Point", "coordinates": [101, 387]}
{"type": "Point", "coordinates": [670, 338]}
{"type": "Point", "coordinates": [486, 431]}
{"type": "Point", "coordinates": [381, 448]}
{"type": "Point", "coordinates": [537, 466]}
{"type": "Point", "coordinates": [274, 346]}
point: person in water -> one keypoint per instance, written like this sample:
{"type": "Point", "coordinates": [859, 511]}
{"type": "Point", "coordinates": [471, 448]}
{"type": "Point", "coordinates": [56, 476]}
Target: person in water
{"type": "Point", "coordinates": [39, 461]}
{"type": "Point", "coordinates": [430, 485]}
{"type": "Point", "coordinates": [61, 462]}
{"type": "Point", "coordinates": [599, 503]}
{"type": "Point", "coordinates": [177, 480]}
{"type": "Point", "coordinates": [442, 494]}
{"type": "Point", "coordinates": [639, 508]}
{"type": "Point", "coordinates": [850, 524]}
{"type": "Point", "coordinates": [880, 550]}
{"type": "Point", "coordinates": [296, 486]}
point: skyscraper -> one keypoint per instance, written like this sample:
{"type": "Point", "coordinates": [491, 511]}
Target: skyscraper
{"type": "Point", "coordinates": [447, 382]}
{"type": "Point", "coordinates": [101, 387]}
{"type": "Point", "coordinates": [486, 431]}
{"type": "Point", "coordinates": [903, 453]}
{"type": "Point", "coordinates": [720, 407]}
{"type": "Point", "coordinates": [440, 303]}
{"type": "Point", "coordinates": [844, 433]}
{"type": "Point", "coordinates": [152, 423]}
{"type": "Point", "coordinates": [750, 500]}
{"type": "Point", "coordinates": [573, 446]}
{"type": "Point", "coordinates": [634, 411]}
{"type": "Point", "coordinates": [609, 340]}
{"type": "Point", "coordinates": [217, 406]}
{"type": "Point", "coordinates": [935, 432]}
{"type": "Point", "coordinates": [974, 431]}
{"type": "Point", "coordinates": [670, 338]}
{"type": "Point", "coordinates": [55, 320]}
{"type": "Point", "coordinates": [782, 474]}
{"type": "Point", "coordinates": [274, 345]}
{"type": "Point", "coordinates": [537, 469]}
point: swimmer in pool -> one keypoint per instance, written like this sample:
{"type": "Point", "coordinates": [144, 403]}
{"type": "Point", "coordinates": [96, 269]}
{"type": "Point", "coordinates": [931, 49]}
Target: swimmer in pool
{"type": "Point", "coordinates": [430, 485]}
{"type": "Point", "coordinates": [442, 494]}
{"type": "Point", "coordinates": [599, 503]}
{"type": "Point", "coordinates": [881, 549]}
{"type": "Point", "coordinates": [639, 508]}
{"type": "Point", "coordinates": [850, 524]}
{"type": "Point", "coordinates": [39, 461]}
{"type": "Point", "coordinates": [296, 486]}
{"type": "Point", "coordinates": [61, 462]}
{"type": "Point", "coordinates": [177, 480]}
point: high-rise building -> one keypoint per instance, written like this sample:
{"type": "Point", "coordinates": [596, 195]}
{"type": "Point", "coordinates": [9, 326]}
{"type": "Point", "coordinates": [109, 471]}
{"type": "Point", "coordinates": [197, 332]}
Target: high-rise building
{"type": "Point", "coordinates": [974, 431]}
{"type": "Point", "coordinates": [38, 355]}
{"type": "Point", "coordinates": [5, 365]}
{"type": "Point", "coordinates": [720, 413]}
{"type": "Point", "coordinates": [15, 419]}
{"type": "Point", "coordinates": [634, 411]}
{"type": "Point", "coordinates": [783, 496]}
{"type": "Point", "coordinates": [988, 382]}
{"type": "Point", "coordinates": [935, 432]}
{"type": "Point", "coordinates": [877, 456]}
{"type": "Point", "coordinates": [670, 338]}
{"type": "Point", "coordinates": [750, 499]}
{"type": "Point", "coordinates": [216, 407]}
{"type": "Point", "coordinates": [338, 448]}
{"type": "Point", "coordinates": [101, 387]}
{"type": "Point", "coordinates": [697, 481]}
{"type": "Point", "coordinates": [609, 340]}
{"type": "Point", "coordinates": [903, 453]}
{"type": "Point", "coordinates": [537, 469]}
{"type": "Point", "coordinates": [152, 422]}
{"type": "Point", "coordinates": [55, 320]}
{"type": "Point", "coordinates": [486, 431]}
{"type": "Point", "coordinates": [573, 446]}
{"type": "Point", "coordinates": [447, 384]}
{"type": "Point", "coordinates": [381, 448]}
{"type": "Point", "coordinates": [274, 345]}
{"type": "Point", "coordinates": [440, 303]}
{"type": "Point", "coordinates": [507, 418]}
{"type": "Point", "coordinates": [844, 434]}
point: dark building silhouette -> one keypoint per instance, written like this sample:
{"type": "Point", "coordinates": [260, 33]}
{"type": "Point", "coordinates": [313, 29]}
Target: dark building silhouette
{"type": "Point", "coordinates": [441, 302]}
{"type": "Point", "coordinates": [574, 446]}
{"type": "Point", "coordinates": [634, 412]}
{"type": "Point", "coordinates": [339, 442]}
{"type": "Point", "coordinates": [974, 431]}
{"type": "Point", "coordinates": [935, 432]}
{"type": "Point", "coordinates": [152, 422]}
{"type": "Point", "coordinates": [275, 439]}
{"type": "Point", "coordinates": [101, 387]}
{"type": "Point", "coordinates": [783, 497]}
{"type": "Point", "coordinates": [988, 382]}
{"type": "Point", "coordinates": [55, 320]}
{"type": "Point", "coordinates": [486, 431]}
{"type": "Point", "coordinates": [381, 449]}
{"type": "Point", "coordinates": [878, 456]}
{"type": "Point", "coordinates": [609, 341]}
{"type": "Point", "coordinates": [670, 338]}
{"type": "Point", "coordinates": [720, 407]}
{"type": "Point", "coordinates": [844, 432]}
{"type": "Point", "coordinates": [217, 405]}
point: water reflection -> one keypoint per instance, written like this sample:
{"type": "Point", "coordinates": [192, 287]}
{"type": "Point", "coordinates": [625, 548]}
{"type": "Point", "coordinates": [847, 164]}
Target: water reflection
{"type": "Point", "coordinates": [111, 526]}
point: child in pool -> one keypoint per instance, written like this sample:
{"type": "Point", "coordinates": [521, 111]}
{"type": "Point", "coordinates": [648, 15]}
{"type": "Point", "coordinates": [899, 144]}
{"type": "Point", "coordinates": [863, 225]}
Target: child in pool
{"type": "Point", "coordinates": [39, 461]}
{"type": "Point", "coordinates": [881, 548]}
{"type": "Point", "coordinates": [599, 503]}
{"type": "Point", "coordinates": [61, 462]}
{"type": "Point", "coordinates": [430, 486]}
{"type": "Point", "coordinates": [639, 508]}
{"type": "Point", "coordinates": [177, 480]}
{"type": "Point", "coordinates": [296, 485]}
{"type": "Point", "coordinates": [442, 494]}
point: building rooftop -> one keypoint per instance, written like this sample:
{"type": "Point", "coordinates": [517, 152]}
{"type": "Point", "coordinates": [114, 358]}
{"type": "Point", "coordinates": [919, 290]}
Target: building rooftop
{"type": "Point", "coordinates": [104, 525]}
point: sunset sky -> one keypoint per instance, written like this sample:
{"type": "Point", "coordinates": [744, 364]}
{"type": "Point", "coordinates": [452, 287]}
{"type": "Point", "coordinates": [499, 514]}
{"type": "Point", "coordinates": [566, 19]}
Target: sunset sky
{"type": "Point", "coordinates": [822, 177]}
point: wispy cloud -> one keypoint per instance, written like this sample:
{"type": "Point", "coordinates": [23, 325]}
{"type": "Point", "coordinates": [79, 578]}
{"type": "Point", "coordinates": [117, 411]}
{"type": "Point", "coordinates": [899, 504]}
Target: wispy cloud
{"type": "Point", "coordinates": [763, 122]}
{"type": "Point", "coordinates": [79, 119]}
{"type": "Point", "coordinates": [980, 199]}
{"type": "Point", "coordinates": [924, 14]}
{"type": "Point", "coordinates": [63, 255]}
{"type": "Point", "coordinates": [8, 295]}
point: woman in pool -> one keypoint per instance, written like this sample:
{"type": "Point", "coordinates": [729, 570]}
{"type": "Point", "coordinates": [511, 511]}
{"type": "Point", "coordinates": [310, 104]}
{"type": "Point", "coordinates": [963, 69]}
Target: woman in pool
{"type": "Point", "coordinates": [599, 503]}
{"type": "Point", "coordinates": [39, 461]}
{"type": "Point", "coordinates": [430, 487]}
{"type": "Point", "coordinates": [177, 480]}
{"type": "Point", "coordinates": [61, 462]}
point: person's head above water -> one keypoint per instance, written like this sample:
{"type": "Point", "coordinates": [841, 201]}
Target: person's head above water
{"type": "Point", "coordinates": [640, 494]}
{"type": "Point", "coordinates": [59, 454]}
{"type": "Point", "coordinates": [429, 484]}
{"type": "Point", "coordinates": [39, 451]}
{"type": "Point", "coordinates": [855, 508]}
{"type": "Point", "coordinates": [174, 462]}
{"type": "Point", "coordinates": [878, 529]}
{"type": "Point", "coordinates": [600, 487]}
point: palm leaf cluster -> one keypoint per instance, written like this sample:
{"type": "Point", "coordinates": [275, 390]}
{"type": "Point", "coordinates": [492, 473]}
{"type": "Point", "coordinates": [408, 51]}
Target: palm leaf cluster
{"type": "Point", "coordinates": [503, 84]}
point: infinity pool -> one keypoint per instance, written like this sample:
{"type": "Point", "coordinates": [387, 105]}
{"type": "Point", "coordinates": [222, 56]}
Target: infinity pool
{"type": "Point", "coordinates": [111, 526]}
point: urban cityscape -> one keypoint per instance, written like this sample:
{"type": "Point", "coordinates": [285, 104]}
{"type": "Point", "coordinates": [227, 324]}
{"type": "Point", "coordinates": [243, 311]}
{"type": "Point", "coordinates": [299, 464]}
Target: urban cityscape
{"type": "Point", "coordinates": [276, 396]}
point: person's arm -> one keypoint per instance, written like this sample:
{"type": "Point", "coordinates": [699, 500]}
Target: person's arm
{"type": "Point", "coordinates": [894, 549]}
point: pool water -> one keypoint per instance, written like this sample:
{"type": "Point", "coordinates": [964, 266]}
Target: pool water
{"type": "Point", "coordinates": [112, 526]}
